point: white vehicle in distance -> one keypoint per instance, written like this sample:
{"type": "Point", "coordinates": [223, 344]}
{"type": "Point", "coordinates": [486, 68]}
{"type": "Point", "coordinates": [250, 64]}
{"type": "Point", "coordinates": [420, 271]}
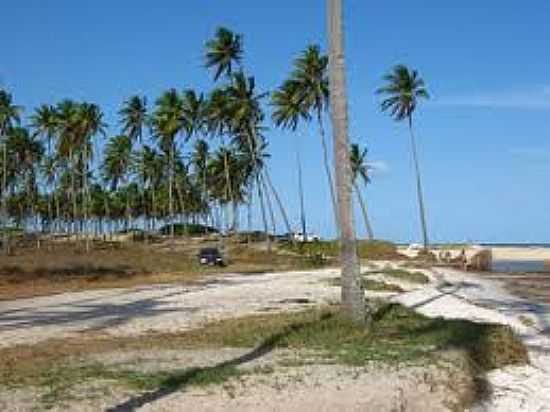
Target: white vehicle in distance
{"type": "Point", "coordinates": [310, 237]}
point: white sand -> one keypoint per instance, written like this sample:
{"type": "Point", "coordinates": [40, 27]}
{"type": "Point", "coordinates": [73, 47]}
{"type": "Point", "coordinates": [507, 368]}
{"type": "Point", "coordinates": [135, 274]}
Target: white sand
{"type": "Point", "coordinates": [173, 308]}
{"type": "Point", "coordinates": [525, 388]}
{"type": "Point", "coordinates": [522, 254]}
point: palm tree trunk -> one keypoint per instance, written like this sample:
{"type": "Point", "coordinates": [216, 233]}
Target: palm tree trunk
{"type": "Point", "coordinates": [419, 187]}
{"type": "Point", "coordinates": [154, 208]}
{"type": "Point", "coordinates": [353, 297]}
{"type": "Point", "coordinates": [269, 205]}
{"type": "Point", "coordinates": [170, 196]}
{"type": "Point", "coordinates": [249, 215]}
{"type": "Point", "coordinates": [363, 205]}
{"type": "Point", "coordinates": [57, 211]}
{"type": "Point", "coordinates": [278, 200]}
{"type": "Point", "coordinates": [264, 217]}
{"type": "Point", "coordinates": [86, 193]}
{"type": "Point", "coordinates": [229, 188]}
{"type": "Point", "coordinates": [205, 196]}
{"type": "Point", "coordinates": [301, 194]}
{"type": "Point", "coordinates": [73, 194]}
{"type": "Point", "coordinates": [326, 163]}
{"type": "Point", "coordinates": [5, 236]}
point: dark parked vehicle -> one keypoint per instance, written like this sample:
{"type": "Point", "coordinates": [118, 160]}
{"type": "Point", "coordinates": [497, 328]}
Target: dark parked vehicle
{"type": "Point", "coordinates": [210, 256]}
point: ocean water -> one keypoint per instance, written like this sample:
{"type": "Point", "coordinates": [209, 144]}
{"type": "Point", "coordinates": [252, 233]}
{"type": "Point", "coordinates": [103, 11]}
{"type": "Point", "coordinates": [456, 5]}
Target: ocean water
{"type": "Point", "coordinates": [527, 266]}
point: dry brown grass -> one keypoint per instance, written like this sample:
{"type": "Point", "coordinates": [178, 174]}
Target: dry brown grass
{"type": "Point", "coordinates": [66, 267]}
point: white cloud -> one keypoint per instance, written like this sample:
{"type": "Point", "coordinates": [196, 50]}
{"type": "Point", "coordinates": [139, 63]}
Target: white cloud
{"type": "Point", "coordinates": [536, 98]}
{"type": "Point", "coordinates": [378, 167]}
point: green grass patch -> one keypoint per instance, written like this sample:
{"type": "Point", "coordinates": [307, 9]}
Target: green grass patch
{"type": "Point", "coordinates": [373, 249]}
{"type": "Point", "coordinates": [380, 286]}
{"type": "Point", "coordinates": [398, 335]}
{"type": "Point", "coordinates": [59, 381]}
{"type": "Point", "coordinates": [372, 285]}
{"type": "Point", "coordinates": [401, 274]}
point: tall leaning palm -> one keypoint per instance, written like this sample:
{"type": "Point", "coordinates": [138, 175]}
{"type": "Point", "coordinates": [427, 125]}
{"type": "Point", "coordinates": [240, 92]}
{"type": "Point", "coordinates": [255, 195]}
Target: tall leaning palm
{"type": "Point", "coordinates": [223, 52]}
{"type": "Point", "coordinates": [359, 170]}
{"type": "Point", "coordinates": [287, 114]}
{"type": "Point", "coordinates": [311, 85]}
{"type": "Point", "coordinates": [353, 297]}
{"type": "Point", "coordinates": [10, 115]}
{"type": "Point", "coordinates": [403, 90]}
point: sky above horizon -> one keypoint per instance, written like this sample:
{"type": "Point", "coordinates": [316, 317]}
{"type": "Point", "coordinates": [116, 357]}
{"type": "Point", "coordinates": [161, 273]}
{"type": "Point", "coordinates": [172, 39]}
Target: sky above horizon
{"type": "Point", "coordinates": [484, 138]}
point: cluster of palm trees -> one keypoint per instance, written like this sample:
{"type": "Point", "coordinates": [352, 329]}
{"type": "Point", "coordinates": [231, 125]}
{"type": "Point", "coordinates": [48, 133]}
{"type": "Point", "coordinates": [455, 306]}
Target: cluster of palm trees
{"type": "Point", "coordinates": [188, 156]}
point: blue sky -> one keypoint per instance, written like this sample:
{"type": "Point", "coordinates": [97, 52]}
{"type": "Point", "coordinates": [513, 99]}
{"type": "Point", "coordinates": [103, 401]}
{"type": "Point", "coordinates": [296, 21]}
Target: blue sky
{"type": "Point", "coordinates": [484, 136]}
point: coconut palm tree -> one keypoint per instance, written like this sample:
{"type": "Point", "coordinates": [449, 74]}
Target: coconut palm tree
{"type": "Point", "coordinates": [10, 116]}
{"type": "Point", "coordinates": [117, 166]}
{"type": "Point", "coordinates": [26, 152]}
{"type": "Point", "coordinates": [199, 159]}
{"type": "Point", "coordinates": [404, 89]}
{"type": "Point", "coordinates": [219, 124]}
{"type": "Point", "coordinates": [45, 123]}
{"type": "Point", "coordinates": [168, 121]}
{"type": "Point", "coordinates": [246, 117]}
{"type": "Point", "coordinates": [90, 124]}
{"type": "Point", "coordinates": [49, 171]}
{"type": "Point", "coordinates": [148, 167]}
{"type": "Point", "coordinates": [309, 80]}
{"type": "Point", "coordinates": [223, 52]}
{"type": "Point", "coordinates": [68, 144]}
{"type": "Point", "coordinates": [287, 114]}
{"type": "Point", "coordinates": [134, 117]}
{"type": "Point", "coordinates": [353, 298]}
{"type": "Point", "coordinates": [359, 169]}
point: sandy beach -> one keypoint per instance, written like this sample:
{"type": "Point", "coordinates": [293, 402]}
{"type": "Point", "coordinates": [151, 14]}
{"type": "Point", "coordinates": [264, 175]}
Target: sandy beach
{"type": "Point", "coordinates": [123, 312]}
{"type": "Point", "coordinates": [535, 253]}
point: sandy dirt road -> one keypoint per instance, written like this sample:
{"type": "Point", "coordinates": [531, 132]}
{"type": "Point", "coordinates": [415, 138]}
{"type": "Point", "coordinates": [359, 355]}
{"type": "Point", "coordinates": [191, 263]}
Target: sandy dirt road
{"type": "Point", "coordinates": [166, 308]}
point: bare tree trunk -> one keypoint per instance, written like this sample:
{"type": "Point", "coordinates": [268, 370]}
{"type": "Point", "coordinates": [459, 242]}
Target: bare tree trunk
{"type": "Point", "coordinates": [301, 194]}
{"type": "Point", "coordinates": [353, 297]}
{"type": "Point", "coordinates": [269, 205]}
{"type": "Point", "coordinates": [73, 194]}
{"type": "Point", "coordinates": [264, 217]}
{"type": "Point", "coordinates": [170, 196]}
{"type": "Point", "coordinates": [57, 212]}
{"type": "Point", "coordinates": [229, 188]}
{"type": "Point", "coordinates": [86, 194]}
{"type": "Point", "coordinates": [249, 215]}
{"type": "Point", "coordinates": [5, 235]}
{"type": "Point", "coordinates": [419, 187]}
{"type": "Point", "coordinates": [326, 163]}
{"type": "Point", "coordinates": [154, 208]}
{"type": "Point", "coordinates": [363, 205]}
{"type": "Point", "coordinates": [205, 195]}
{"type": "Point", "coordinates": [278, 200]}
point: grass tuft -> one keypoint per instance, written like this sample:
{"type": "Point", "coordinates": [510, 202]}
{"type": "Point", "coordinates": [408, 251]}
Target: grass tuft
{"type": "Point", "coordinates": [373, 249]}
{"type": "Point", "coordinates": [401, 274]}
{"type": "Point", "coordinates": [373, 285]}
